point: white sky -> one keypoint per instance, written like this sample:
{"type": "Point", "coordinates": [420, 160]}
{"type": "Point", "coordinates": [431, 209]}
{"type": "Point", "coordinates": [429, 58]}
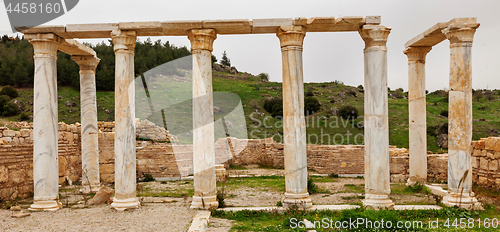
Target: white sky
{"type": "Point", "coordinates": [327, 56]}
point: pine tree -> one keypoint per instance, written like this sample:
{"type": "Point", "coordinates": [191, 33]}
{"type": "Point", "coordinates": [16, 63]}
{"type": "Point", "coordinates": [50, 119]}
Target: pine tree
{"type": "Point", "coordinates": [225, 61]}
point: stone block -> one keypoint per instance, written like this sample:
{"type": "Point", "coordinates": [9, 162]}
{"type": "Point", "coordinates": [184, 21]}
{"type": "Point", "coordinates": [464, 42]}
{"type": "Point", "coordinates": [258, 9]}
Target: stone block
{"type": "Point", "coordinates": [480, 144]}
{"type": "Point", "coordinates": [496, 155]}
{"type": "Point", "coordinates": [489, 155]}
{"type": "Point", "coordinates": [493, 165]}
{"type": "Point", "coordinates": [4, 174]}
{"type": "Point", "coordinates": [61, 126]}
{"type": "Point", "coordinates": [106, 169]}
{"type": "Point", "coordinates": [9, 133]}
{"type": "Point", "coordinates": [398, 178]}
{"type": "Point", "coordinates": [483, 163]}
{"type": "Point", "coordinates": [62, 165]}
{"type": "Point", "coordinates": [17, 134]}
{"type": "Point", "coordinates": [497, 182]}
{"type": "Point", "coordinates": [397, 168]}
{"type": "Point", "coordinates": [17, 176]}
{"type": "Point", "coordinates": [7, 139]}
{"type": "Point", "coordinates": [483, 180]}
{"type": "Point", "coordinates": [489, 143]}
{"type": "Point", "coordinates": [474, 162]}
{"type": "Point", "coordinates": [3, 142]}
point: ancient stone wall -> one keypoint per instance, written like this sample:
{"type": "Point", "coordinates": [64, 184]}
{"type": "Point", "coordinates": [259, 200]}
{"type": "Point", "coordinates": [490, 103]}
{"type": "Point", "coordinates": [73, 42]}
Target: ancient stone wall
{"type": "Point", "coordinates": [485, 162]}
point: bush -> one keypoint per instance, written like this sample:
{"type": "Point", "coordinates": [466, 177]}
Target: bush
{"type": "Point", "coordinates": [311, 187]}
{"type": "Point", "coordinates": [333, 175]}
{"type": "Point", "coordinates": [9, 91]}
{"type": "Point", "coordinates": [309, 93]}
{"type": "Point", "coordinates": [352, 93]}
{"type": "Point", "coordinates": [25, 116]}
{"type": "Point", "coordinates": [274, 107]}
{"type": "Point", "coordinates": [264, 77]}
{"type": "Point", "coordinates": [348, 112]}
{"type": "Point", "coordinates": [360, 87]}
{"type": "Point", "coordinates": [311, 105]}
{"type": "Point", "coordinates": [10, 109]}
{"type": "Point", "coordinates": [147, 177]}
{"type": "Point", "coordinates": [444, 113]}
{"type": "Point", "coordinates": [398, 93]}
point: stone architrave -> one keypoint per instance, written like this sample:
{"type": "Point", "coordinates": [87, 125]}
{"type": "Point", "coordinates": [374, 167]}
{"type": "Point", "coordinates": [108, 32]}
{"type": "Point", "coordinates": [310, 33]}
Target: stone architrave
{"type": "Point", "coordinates": [460, 117]}
{"type": "Point", "coordinates": [90, 150]}
{"type": "Point", "coordinates": [417, 111]}
{"type": "Point", "coordinates": [203, 119]}
{"type": "Point", "coordinates": [45, 148]}
{"type": "Point", "coordinates": [294, 127]}
{"type": "Point", "coordinates": [125, 150]}
{"type": "Point", "coordinates": [377, 176]}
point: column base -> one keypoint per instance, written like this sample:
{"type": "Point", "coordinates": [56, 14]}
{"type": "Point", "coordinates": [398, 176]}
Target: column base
{"type": "Point", "coordinates": [208, 202]}
{"type": "Point", "coordinates": [467, 201]}
{"type": "Point", "coordinates": [50, 205]}
{"type": "Point", "coordinates": [298, 201]}
{"type": "Point", "coordinates": [412, 180]}
{"type": "Point", "coordinates": [93, 188]}
{"type": "Point", "coordinates": [121, 205]}
{"type": "Point", "coordinates": [377, 202]}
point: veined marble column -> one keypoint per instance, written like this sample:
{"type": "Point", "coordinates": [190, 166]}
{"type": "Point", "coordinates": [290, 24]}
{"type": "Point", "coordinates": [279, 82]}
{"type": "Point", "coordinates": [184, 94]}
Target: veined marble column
{"type": "Point", "coordinates": [90, 151]}
{"type": "Point", "coordinates": [294, 125]}
{"type": "Point", "coordinates": [418, 117]}
{"type": "Point", "coordinates": [125, 157]}
{"type": "Point", "coordinates": [203, 120]}
{"type": "Point", "coordinates": [460, 117]}
{"type": "Point", "coordinates": [45, 151]}
{"type": "Point", "coordinates": [377, 176]}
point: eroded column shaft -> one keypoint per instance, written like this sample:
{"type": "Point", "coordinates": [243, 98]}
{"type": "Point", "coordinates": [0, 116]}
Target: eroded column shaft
{"type": "Point", "coordinates": [203, 119]}
{"type": "Point", "coordinates": [460, 116]}
{"type": "Point", "coordinates": [377, 176]}
{"type": "Point", "coordinates": [45, 116]}
{"type": "Point", "coordinates": [294, 128]}
{"type": "Point", "coordinates": [417, 114]}
{"type": "Point", "coordinates": [125, 147]}
{"type": "Point", "coordinates": [90, 150]}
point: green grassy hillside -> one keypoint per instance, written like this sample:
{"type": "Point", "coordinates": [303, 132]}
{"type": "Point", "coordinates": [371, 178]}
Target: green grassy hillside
{"type": "Point", "coordinates": [323, 127]}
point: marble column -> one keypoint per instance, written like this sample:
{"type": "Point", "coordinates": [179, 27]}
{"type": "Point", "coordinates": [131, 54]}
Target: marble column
{"type": "Point", "coordinates": [203, 120]}
{"type": "Point", "coordinates": [417, 112]}
{"type": "Point", "coordinates": [460, 117]}
{"type": "Point", "coordinates": [377, 177]}
{"type": "Point", "coordinates": [90, 151]}
{"type": "Point", "coordinates": [125, 157]}
{"type": "Point", "coordinates": [294, 125]}
{"type": "Point", "coordinates": [45, 151]}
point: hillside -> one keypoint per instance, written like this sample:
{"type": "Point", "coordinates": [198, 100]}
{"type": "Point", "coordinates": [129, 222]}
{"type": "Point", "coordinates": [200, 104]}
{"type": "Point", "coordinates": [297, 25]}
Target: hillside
{"type": "Point", "coordinates": [254, 91]}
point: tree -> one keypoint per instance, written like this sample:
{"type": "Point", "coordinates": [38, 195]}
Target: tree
{"type": "Point", "coordinates": [214, 59]}
{"type": "Point", "coordinates": [225, 61]}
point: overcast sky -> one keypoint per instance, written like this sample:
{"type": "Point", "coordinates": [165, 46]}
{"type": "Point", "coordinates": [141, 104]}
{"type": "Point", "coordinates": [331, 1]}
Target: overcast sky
{"type": "Point", "coordinates": [327, 56]}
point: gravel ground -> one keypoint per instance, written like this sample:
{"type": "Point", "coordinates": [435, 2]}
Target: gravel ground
{"type": "Point", "coordinates": [149, 217]}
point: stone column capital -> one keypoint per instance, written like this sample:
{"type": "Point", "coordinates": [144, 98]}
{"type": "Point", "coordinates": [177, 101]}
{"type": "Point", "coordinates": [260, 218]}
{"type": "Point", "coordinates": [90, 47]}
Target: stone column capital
{"type": "Point", "coordinates": [375, 36]}
{"type": "Point", "coordinates": [202, 39]}
{"type": "Point", "coordinates": [44, 44]}
{"type": "Point", "coordinates": [123, 40]}
{"type": "Point", "coordinates": [86, 62]}
{"type": "Point", "coordinates": [417, 54]}
{"type": "Point", "coordinates": [291, 36]}
{"type": "Point", "coordinates": [460, 34]}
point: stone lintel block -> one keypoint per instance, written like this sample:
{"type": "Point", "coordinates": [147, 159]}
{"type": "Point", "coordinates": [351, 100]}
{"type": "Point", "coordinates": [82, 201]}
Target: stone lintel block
{"type": "Point", "coordinates": [75, 48]}
{"type": "Point", "coordinates": [59, 30]}
{"type": "Point", "coordinates": [375, 20]}
{"type": "Point", "coordinates": [229, 26]}
{"type": "Point", "coordinates": [152, 28]}
{"type": "Point", "coordinates": [95, 30]}
{"type": "Point", "coordinates": [180, 28]}
{"type": "Point", "coordinates": [261, 26]}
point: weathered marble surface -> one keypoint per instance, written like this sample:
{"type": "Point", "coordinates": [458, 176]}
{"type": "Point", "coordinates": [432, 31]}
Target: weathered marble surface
{"type": "Point", "coordinates": [203, 120]}
{"type": "Point", "coordinates": [90, 150]}
{"type": "Point", "coordinates": [294, 128]}
{"type": "Point", "coordinates": [125, 150]}
{"type": "Point", "coordinates": [377, 177]}
{"type": "Point", "coordinates": [417, 113]}
{"type": "Point", "coordinates": [460, 117]}
{"type": "Point", "coordinates": [45, 157]}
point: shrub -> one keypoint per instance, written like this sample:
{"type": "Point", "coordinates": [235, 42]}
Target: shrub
{"type": "Point", "coordinates": [333, 175]}
{"type": "Point", "coordinates": [264, 77]}
{"type": "Point", "coordinates": [25, 116]}
{"type": "Point", "coordinates": [274, 107]}
{"type": "Point", "coordinates": [311, 187]}
{"type": "Point", "coordinates": [348, 112]}
{"type": "Point", "coordinates": [10, 109]}
{"type": "Point", "coordinates": [147, 177]}
{"type": "Point", "coordinates": [220, 199]}
{"type": "Point", "coordinates": [398, 93]}
{"type": "Point", "coordinates": [478, 95]}
{"type": "Point", "coordinates": [9, 91]}
{"type": "Point", "coordinates": [444, 113]}
{"type": "Point", "coordinates": [311, 105]}
{"type": "Point", "coordinates": [360, 87]}
{"type": "Point", "coordinates": [352, 93]}
{"type": "Point", "coordinates": [309, 93]}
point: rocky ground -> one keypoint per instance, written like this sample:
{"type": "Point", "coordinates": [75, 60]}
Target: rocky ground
{"type": "Point", "coordinates": [171, 211]}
